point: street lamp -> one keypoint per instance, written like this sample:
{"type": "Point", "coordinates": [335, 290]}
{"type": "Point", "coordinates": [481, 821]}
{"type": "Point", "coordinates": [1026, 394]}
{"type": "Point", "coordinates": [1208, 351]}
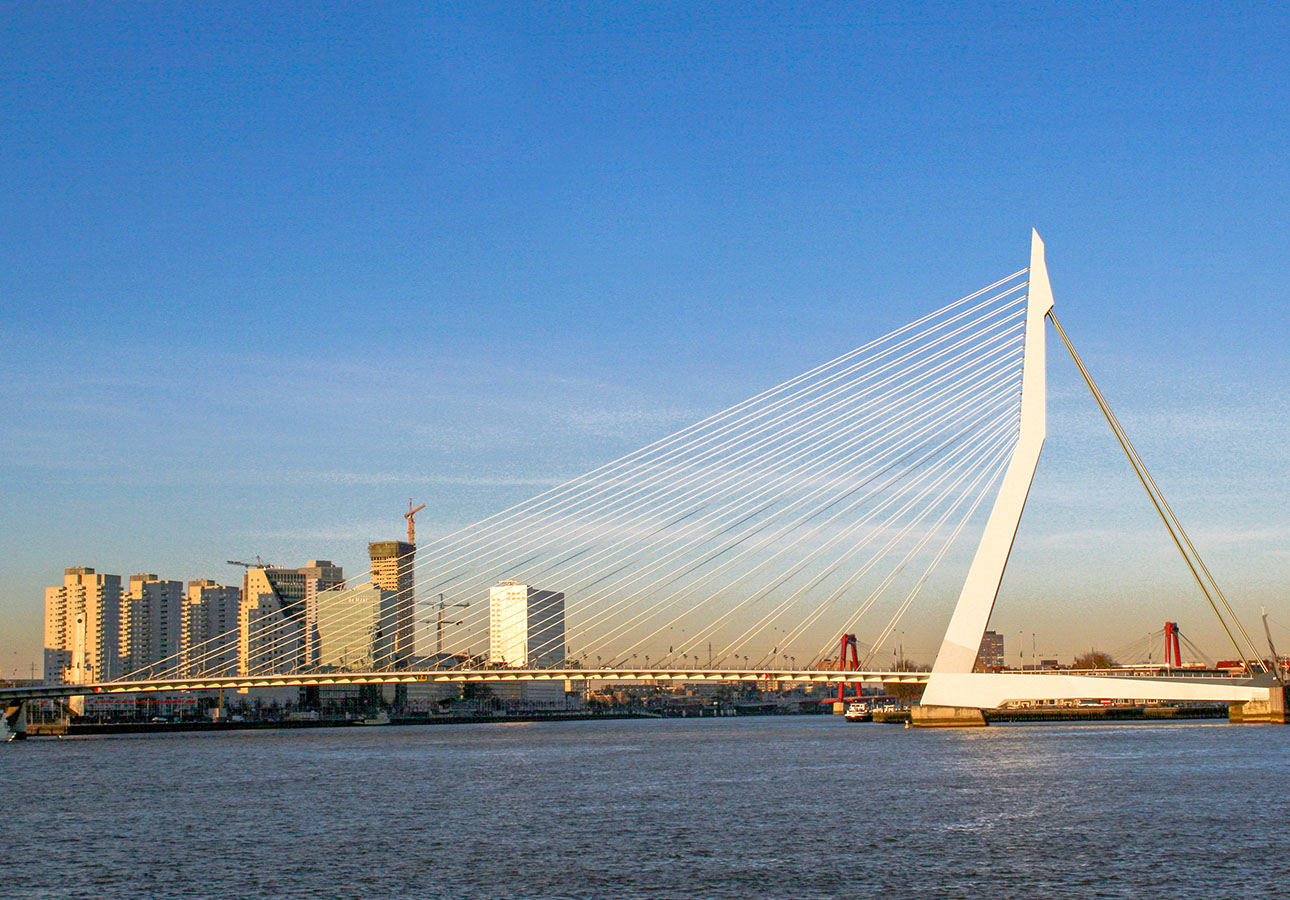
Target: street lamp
{"type": "Point", "coordinates": [439, 621]}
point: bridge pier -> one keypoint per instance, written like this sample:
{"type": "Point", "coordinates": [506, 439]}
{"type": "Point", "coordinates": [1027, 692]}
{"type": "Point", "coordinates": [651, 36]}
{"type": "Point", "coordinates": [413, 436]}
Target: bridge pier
{"type": "Point", "coordinates": [1271, 711]}
{"type": "Point", "coordinates": [946, 717]}
{"type": "Point", "coordinates": [13, 722]}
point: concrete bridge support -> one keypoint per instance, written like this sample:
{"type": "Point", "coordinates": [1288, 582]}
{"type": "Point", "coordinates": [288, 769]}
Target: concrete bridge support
{"type": "Point", "coordinates": [1271, 711]}
{"type": "Point", "coordinates": [13, 722]}
{"type": "Point", "coordinates": [946, 717]}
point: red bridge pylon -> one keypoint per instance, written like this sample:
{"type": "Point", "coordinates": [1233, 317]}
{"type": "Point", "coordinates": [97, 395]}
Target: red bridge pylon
{"type": "Point", "coordinates": [1173, 656]}
{"type": "Point", "coordinates": [848, 663]}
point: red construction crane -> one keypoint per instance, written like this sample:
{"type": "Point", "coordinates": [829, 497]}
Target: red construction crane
{"type": "Point", "coordinates": [410, 515]}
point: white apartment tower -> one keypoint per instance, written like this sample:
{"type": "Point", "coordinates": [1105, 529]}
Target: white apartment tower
{"type": "Point", "coordinates": [151, 624]}
{"type": "Point", "coordinates": [210, 621]}
{"type": "Point", "coordinates": [525, 626]}
{"type": "Point", "coordinates": [83, 627]}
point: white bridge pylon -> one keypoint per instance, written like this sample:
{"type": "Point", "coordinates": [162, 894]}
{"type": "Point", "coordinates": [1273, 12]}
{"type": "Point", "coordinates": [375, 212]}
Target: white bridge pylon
{"type": "Point", "coordinates": [955, 694]}
{"type": "Point", "coordinates": [735, 547]}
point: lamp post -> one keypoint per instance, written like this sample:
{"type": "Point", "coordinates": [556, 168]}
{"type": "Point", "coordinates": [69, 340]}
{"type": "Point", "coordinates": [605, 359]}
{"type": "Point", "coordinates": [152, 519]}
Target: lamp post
{"type": "Point", "coordinates": [439, 622]}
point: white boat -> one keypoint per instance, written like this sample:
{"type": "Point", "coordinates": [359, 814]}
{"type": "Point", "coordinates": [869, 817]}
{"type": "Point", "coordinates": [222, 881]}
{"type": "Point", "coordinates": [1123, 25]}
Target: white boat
{"type": "Point", "coordinates": [859, 712]}
{"type": "Point", "coordinates": [381, 718]}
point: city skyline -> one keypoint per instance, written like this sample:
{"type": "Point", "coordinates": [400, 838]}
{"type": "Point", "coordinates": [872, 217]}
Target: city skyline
{"type": "Point", "coordinates": [510, 257]}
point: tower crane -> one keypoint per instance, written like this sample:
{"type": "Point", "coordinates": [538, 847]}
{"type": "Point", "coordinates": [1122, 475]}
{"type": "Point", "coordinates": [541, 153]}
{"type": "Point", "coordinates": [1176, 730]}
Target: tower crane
{"type": "Point", "coordinates": [258, 564]}
{"type": "Point", "coordinates": [410, 515]}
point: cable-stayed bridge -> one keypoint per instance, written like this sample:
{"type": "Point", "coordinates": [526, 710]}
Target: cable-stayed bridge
{"type": "Point", "coordinates": [745, 546]}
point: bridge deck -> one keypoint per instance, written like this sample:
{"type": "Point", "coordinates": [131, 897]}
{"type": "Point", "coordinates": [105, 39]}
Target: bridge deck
{"type": "Point", "coordinates": [462, 676]}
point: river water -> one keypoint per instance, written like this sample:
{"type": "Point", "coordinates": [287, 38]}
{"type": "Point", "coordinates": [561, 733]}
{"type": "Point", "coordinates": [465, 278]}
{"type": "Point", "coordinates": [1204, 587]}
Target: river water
{"type": "Point", "coordinates": [791, 807]}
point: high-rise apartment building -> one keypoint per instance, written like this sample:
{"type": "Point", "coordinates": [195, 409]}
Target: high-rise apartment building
{"type": "Point", "coordinates": [210, 621]}
{"type": "Point", "coordinates": [392, 563]}
{"type": "Point", "coordinates": [525, 626]}
{"type": "Point", "coordinates": [990, 656]}
{"type": "Point", "coordinates": [83, 627]}
{"type": "Point", "coordinates": [357, 628]}
{"type": "Point", "coordinates": [278, 620]}
{"type": "Point", "coordinates": [151, 624]}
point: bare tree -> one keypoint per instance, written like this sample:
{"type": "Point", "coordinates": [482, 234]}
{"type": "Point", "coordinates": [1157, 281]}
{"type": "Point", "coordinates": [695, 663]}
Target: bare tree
{"type": "Point", "coordinates": [908, 693]}
{"type": "Point", "coordinates": [1094, 659]}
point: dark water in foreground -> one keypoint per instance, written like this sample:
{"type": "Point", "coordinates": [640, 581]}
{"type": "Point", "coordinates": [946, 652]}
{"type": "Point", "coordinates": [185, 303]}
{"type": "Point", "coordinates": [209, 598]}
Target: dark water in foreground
{"type": "Point", "coordinates": [801, 807]}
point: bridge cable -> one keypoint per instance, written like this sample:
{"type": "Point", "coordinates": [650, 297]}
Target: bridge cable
{"type": "Point", "coordinates": [1176, 531]}
{"type": "Point", "coordinates": [826, 427]}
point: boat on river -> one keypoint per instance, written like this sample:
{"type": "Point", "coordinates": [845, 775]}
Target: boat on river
{"type": "Point", "coordinates": [859, 712]}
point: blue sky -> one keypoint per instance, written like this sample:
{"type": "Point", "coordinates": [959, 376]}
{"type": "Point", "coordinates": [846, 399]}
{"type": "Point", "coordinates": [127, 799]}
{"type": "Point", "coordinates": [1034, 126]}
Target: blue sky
{"type": "Point", "coordinates": [269, 271]}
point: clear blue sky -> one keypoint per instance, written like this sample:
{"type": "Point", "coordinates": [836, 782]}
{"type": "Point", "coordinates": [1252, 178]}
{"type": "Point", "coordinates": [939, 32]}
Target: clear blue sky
{"type": "Point", "coordinates": [268, 271]}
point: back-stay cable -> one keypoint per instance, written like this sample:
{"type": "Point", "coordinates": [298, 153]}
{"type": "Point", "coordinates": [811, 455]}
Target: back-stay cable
{"type": "Point", "coordinates": [1194, 563]}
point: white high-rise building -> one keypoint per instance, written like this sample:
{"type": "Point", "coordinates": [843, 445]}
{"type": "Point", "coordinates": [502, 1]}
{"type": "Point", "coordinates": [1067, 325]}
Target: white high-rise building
{"type": "Point", "coordinates": [210, 627]}
{"type": "Point", "coordinates": [83, 627]}
{"type": "Point", "coordinates": [152, 612]}
{"type": "Point", "coordinates": [525, 626]}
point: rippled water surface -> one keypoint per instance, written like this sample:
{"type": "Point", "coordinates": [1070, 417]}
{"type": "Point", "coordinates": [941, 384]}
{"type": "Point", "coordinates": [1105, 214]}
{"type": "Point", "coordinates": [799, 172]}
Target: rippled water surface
{"type": "Point", "coordinates": [795, 807]}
